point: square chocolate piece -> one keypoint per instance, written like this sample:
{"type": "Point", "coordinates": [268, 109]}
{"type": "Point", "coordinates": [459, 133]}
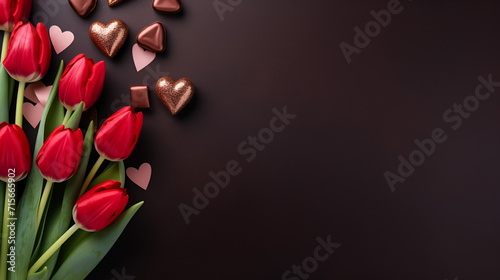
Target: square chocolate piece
{"type": "Point", "coordinates": [139, 97]}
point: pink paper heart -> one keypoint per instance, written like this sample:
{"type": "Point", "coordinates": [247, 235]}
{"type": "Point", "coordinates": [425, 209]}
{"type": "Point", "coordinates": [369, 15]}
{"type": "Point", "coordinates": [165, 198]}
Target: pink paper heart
{"type": "Point", "coordinates": [142, 57]}
{"type": "Point", "coordinates": [37, 92]}
{"type": "Point", "coordinates": [33, 113]}
{"type": "Point", "coordinates": [60, 40]}
{"type": "Point", "coordinates": [140, 176]}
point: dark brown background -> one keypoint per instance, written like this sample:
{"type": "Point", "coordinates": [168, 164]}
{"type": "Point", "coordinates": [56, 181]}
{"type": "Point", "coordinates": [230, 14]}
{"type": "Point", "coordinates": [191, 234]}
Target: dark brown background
{"type": "Point", "coordinates": [323, 175]}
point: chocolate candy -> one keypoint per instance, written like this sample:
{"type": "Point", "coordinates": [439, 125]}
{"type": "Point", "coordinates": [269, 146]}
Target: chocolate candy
{"type": "Point", "coordinates": [152, 37]}
{"type": "Point", "coordinates": [167, 6]}
{"type": "Point", "coordinates": [174, 95]}
{"type": "Point", "coordinates": [83, 7]}
{"type": "Point", "coordinates": [109, 37]}
{"type": "Point", "coordinates": [113, 2]}
{"type": "Point", "coordinates": [139, 97]}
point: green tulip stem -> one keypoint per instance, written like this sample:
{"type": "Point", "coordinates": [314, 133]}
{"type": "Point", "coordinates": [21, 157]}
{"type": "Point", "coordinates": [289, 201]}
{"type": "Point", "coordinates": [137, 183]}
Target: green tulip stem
{"type": "Point", "coordinates": [67, 116]}
{"type": "Point", "coordinates": [43, 202]}
{"type": "Point", "coordinates": [19, 104]}
{"type": "Point", "coordinates": [52, 249]}
{"type": "Point", "coordinates": [5, 44]}
{"type": "Point", "coordinates": [5, 230]}
{"type": "Point", "coordinates": [91, 175]}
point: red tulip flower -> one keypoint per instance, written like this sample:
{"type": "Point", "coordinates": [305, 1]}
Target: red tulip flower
{"type": "Point", "coordinates": [94, 211]}
{"type": "Point", "coordinates": [28, 52]}
{"type": "Point", "coordinates": [15, 154]}
{"type": "Point", "coordinates": [59, 157]}
{"type": "Point", "coordinates": [12, 11]}
{"type": "Point", "coordinates": [82, 80]}
{"type": "Point", "coordinates": [100, 206]}
{"type": "Point", "coordinates": [117, 137]}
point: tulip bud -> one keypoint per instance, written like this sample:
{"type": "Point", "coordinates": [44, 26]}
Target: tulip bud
{"type": "Point", "coordinates": [100, 206]}
{"type": "Point", "coordinates": [15, 159]}
{"type": "Point", "coordinates": [59, 157]}
{"type": "Point", "coordinates": [82, 80]}
{"type": "Point", "coordinates": [12, 11]}
{"type": "Point", "coordinates": [28, 53]}
{"type": "Point", "coordinates": [117, 137]}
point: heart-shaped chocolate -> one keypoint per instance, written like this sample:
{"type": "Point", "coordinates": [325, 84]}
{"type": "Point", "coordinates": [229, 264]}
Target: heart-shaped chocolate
{"type": "Point", "coordinates": [109, 37]}
{"type": "Point", "coordinates": [174, 95]}
{"type": "Point", "coordinates": [83, 7]}
{"type": "Point", "coordinates": [152, 37]}
{"type": "Point", "coordinates": [167, 6]}
{"type": "Point", "coordinates": [113, 2]}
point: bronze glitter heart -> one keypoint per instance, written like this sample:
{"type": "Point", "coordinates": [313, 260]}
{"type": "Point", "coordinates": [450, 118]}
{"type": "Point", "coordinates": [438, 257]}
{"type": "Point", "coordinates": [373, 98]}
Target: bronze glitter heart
{"type": "Point", "coordinates": [109, 37]}
{"type": "Point", "coordinates": [83, 7]}
{"type": "Point", "coordinates": [174, 95]}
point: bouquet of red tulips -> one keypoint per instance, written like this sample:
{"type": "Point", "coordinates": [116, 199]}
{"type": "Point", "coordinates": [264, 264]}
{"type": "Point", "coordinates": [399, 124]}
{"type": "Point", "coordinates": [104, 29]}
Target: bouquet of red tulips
{"type": "Point", "coordinates": [58, 219]}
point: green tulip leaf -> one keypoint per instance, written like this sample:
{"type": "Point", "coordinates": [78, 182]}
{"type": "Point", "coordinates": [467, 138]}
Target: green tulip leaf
{"type": "Point", "coordinates": [60, 214]}
{"type": "Point", "coordinates": [43, 274]}
{"type": "Point", "coordinates": [74, 120]}
{"type": "Point", "coordinates": [83, 252]}
{"type": "Point", "coordinates": [41, 230]}
{"type": "Point", "coordinates": [6, 87]}
{"type": "Point", "coordinates": [55, 116]}
{"type": "Point", "coordinates": [73, 185]}
{"type": "Point", "coordinates": [30, 199]}
{"type": "Point", "coordinates": [11, 89]}
{"type": "Point", "coordinates": [114, 171]}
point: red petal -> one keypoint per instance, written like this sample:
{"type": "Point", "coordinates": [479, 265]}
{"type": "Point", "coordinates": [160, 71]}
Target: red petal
{"type": "Point", "coordinates": [94, 84]}
{"type": "Point", "coordinates": [72, 85]}
{"type": "Point", "coordinates": [96, 210]}
{"type": "Point", "coordinates": [71, 63]}
{"type": "Point", "coordinates": [106, 185]}
{"type": "Point", "coordinates": [45, 50]}
{"type": "Point", "coordinates": [60, 155]}
{"type": "Point", "coordinates": [21, 10]}
{"type": "Point", "coordinates": [15, 151]}
{"type": "Point", "coordinates": [27, 10]}
{"type": "Point", "coordinates": [22, 54]}
{"type": "Point", "coordinates": [115, 135]}
{"type": "Point", "coordinates": [6, 19]}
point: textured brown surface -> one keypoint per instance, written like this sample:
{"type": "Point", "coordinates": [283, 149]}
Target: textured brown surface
{"type": "Point", "coordinates": [323, 174]}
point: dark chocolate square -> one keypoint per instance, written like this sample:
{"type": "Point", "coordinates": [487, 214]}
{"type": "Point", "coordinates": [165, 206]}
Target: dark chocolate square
{"type": "Point", "coordinates": [139, 97]}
